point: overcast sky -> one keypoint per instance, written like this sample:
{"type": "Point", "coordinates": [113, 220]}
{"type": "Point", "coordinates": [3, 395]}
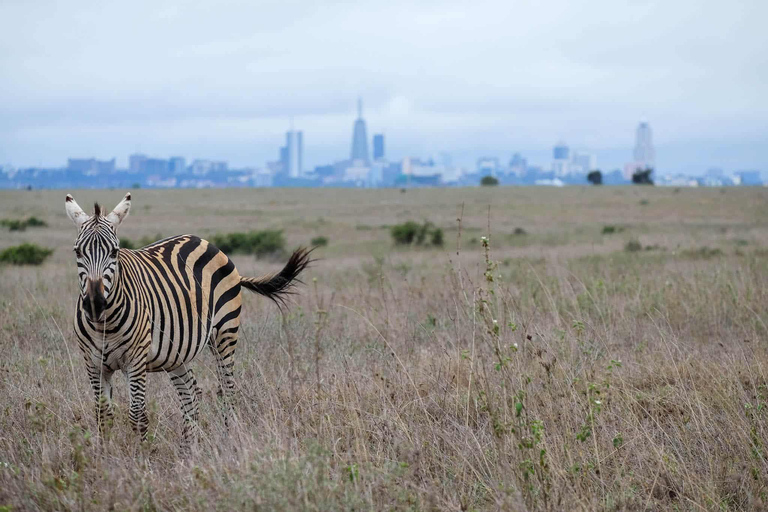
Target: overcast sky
{"type": "Point", "coordinates": [222, 80]}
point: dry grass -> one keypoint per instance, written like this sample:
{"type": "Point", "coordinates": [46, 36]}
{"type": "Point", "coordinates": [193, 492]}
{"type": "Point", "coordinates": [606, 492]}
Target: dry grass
{"type": "Point", "coordinates": [554, 372]}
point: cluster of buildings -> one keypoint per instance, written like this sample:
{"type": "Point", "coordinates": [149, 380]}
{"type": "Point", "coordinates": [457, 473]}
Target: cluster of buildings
{"type": "Point", "coordinates": [363, 168]}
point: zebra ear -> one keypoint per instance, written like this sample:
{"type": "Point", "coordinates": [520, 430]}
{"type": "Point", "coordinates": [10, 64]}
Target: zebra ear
{"type": "Point", "coordinates": [74, 212]}
{"type": "Point", "coordinates": [121, 211]}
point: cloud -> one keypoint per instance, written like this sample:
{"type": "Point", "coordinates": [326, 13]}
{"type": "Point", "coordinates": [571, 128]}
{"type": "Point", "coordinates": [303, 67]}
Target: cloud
{"type": "Point", "coordinates": [227, 77]}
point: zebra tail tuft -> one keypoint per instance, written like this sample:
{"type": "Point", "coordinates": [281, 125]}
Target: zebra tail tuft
{"type": "Point", "coordinates": [278, 285]}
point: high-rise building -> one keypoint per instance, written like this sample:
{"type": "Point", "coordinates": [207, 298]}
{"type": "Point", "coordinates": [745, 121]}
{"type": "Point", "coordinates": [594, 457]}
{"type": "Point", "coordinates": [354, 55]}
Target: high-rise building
{"type": "Point", "coordinates": [644, 153]}
{"type": "Point", "coordinates": [91, 166]}
{"type": "Point", "coordinates": [378, 147]}
{"type": "Point", "coordinates": [561, 151]}
{"type": "Point", "coordinates": [136, 162]}
{"type": "Point", "coordinates": [562, 162]}
{"type": "Point", "coordinates": [583, 162]}
{"type": "Point", "coordinates": [178, 165]}
{"type": "Point", "coordinates": [292, 153]}
{"type": "Point", "coordinates": [359, 137]}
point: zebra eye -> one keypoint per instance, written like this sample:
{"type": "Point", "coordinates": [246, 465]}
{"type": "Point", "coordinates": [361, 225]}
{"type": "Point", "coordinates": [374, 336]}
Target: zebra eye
{"type": "Point", "coordinates": [113, 254]}
{"type": "Point", "coordinates": [78, 252]}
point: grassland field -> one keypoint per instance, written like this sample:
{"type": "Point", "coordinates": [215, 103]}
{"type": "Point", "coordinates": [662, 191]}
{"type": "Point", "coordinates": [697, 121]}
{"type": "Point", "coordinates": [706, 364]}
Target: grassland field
{"type": "Point", "coordinates": [549, 369]}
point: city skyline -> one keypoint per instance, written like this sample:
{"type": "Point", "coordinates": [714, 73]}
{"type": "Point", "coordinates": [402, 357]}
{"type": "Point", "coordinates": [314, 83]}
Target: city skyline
{"type": "Point", "coordinates": [221, 81]}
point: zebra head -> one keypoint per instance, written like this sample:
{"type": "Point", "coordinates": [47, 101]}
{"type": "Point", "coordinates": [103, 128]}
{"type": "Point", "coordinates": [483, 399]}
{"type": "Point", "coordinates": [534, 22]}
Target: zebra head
{"type": "Point", "coordinates": [96, 249]}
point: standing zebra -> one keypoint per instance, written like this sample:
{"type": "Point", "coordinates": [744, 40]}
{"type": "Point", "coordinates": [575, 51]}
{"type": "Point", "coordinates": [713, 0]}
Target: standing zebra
{"type": "Point", "coordinates": [156, 308]}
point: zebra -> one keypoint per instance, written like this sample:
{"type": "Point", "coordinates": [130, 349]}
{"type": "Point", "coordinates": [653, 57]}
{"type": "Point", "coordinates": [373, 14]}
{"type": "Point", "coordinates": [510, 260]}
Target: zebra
{"type": "Point", "coordinates": [156, 308]}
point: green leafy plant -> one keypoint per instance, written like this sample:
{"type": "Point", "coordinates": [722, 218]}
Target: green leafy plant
{"type": "Point", "coordinates": [260, 243]}
{"type": "Point", "coordinates": [22, 225]}
{"type": "Point", "coordinates": [319, 241]}
{"type": "Point", "coordinates": [25, 254]}
{"type": "Point", "coordinates": [413, 233]}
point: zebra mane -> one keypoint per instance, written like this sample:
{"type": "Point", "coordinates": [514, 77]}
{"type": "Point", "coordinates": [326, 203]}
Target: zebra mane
{"type": "Point", "coordinates": [97, 209]}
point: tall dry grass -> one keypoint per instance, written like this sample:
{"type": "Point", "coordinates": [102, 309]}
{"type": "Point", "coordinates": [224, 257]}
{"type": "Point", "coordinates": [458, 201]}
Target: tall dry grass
{"type": "Point", "coordinates": [510, 379]}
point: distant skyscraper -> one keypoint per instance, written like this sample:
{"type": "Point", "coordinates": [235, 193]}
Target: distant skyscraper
{"type": "Point", "coordinates": [178, 165]}
{"type": "Point", "coordinates": [136, 162]}
{"type": "Point", "coordinates": [292, 153]}
{"type": "Point", "coordinates": [562, 163]}
{"type": "Point", "coordinates": [378, 147]}
{"type": "Point", "coordinates": [583, 162]}
{"type": "Point", "coordinates": [561, 151]}
{"type": "Point", "coordinates": [644, 152]}
{"type": "Point", "coordinates": [360, 137]}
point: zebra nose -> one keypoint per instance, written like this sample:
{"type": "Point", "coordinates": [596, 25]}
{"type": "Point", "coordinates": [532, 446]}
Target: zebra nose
{"type": "Point", "coordinates": [95, 302]}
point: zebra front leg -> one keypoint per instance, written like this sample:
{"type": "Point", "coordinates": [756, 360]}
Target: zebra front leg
{"type": "Point", "coordinates": [101, 382]}
{"type": "Point", "coordinates": [137, 388]}
{"type": "Point", "coordinates": [183, 379]}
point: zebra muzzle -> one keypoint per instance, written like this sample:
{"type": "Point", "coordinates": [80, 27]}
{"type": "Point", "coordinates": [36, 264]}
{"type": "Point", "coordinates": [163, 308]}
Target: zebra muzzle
{"type": "Point", "coordinates": [95, 303]}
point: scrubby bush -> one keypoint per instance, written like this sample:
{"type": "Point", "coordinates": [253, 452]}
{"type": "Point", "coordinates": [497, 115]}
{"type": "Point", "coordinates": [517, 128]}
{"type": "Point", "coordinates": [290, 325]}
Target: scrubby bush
{"type": "Point", "coordinates": [404, 234]}
{"type": "Point", "coordinates": [437, 237]}
{"type": "Point", "coordinates": [703, 253]}
{"type": "Point", "coordinates": [319, 241]}
{"type": "Point", "coordinates": [21, 225]}
{"type": "Point", "coordinates": [610, 229]}
{"type": "Point", "coordinates": [411, 232]}
{"type": "Point", "coordinates": [260, 243]}
{"type": "Point", "coordinates": [519, 231]}
{"type": "Point", "coordinates": [25, 254]}
{"type": "Point", "coordinates": [489, 181]}
{"type": "Point", "coordinates": [633, 246]}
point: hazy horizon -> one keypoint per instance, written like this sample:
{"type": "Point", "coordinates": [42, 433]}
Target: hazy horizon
{"type": "Point", "coordinates": [492, 78]}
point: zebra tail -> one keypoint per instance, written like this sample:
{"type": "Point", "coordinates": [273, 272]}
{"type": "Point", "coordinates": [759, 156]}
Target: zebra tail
{"type": "Point", "coordinates": [278, 285]}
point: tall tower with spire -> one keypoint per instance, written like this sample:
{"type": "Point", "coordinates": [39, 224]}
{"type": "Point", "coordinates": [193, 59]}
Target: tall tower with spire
{"type": "Point", "coordinates": [644, 152]}
{"type": "Point", "coordinates": [360, 137]}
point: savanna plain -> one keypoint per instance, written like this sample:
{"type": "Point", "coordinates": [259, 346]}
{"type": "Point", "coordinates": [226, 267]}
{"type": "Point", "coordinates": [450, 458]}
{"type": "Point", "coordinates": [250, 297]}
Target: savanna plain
{"type": "Point", "coordinates": [582, 348]}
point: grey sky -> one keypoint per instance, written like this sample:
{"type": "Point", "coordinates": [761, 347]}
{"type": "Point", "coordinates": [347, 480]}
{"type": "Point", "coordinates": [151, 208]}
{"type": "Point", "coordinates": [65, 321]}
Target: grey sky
{"type": "Point", "coordinates": [222, 79]}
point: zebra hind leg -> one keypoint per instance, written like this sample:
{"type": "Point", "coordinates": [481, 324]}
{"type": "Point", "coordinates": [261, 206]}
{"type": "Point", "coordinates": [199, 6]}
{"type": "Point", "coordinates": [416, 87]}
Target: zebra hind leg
{"type": "Point", "coordinates": [223, 348]}
{"type": "Point", "coordinates": [183, 379]}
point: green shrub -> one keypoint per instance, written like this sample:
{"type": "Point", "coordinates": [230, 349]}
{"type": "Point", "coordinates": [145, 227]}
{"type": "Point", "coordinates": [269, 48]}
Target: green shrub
{"type": "Point", "coordinates": [404, 234]}
{"type": "Point", "coordinates": [437, 237]}
{"type": "Point", "coordinates": [25, 254]}
{"type": "Point", "coordinates": [610, 229]}
{"type": "Point", "coordinates": [519, 231]}
{"type": "Point", "coordinates": [411, 232]}
{"type": "Point", "coordinates": [704, 253]}
{"type": "Point", "coordinates": [21, 225]}
{"type": "Point", "coordinates": [633, 246]}
{"type": "Point", "coordinates": [489, 181]}
{"type": "Point", "coordinates": [260, 243]}
{"type": "Point", "coordinates": [319, 241]}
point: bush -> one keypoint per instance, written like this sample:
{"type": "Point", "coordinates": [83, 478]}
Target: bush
{"type": "Point", "coordinates": [437, 237]}
{"type": "Point", "coordinates": [25, 254]}
{"type": "Point", "coordinates": [260, 243]}
{"type": "Point", "coordinates": [489, 181]}
{"type": "Point", "coordinates": [595, 177]}
{"type": "Point", "coordinates": [21, 225]}
{"type": "Point", "coordinates": [412, 232]}
{"type": "Point", "coordinates": [403, 234]}
{"type": "Point", "coordinates": [704, 253]}
{"type": "Point", "coordinates": [519, 231]}
{"type": "Point", "coordinates": [610, 229]}
{"type": "Point", "coordinates": [319, 241]}
{"type": "Point", "coordinates": [643, 177]}
{"type": "Point", "coordinates": [633, 246]}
